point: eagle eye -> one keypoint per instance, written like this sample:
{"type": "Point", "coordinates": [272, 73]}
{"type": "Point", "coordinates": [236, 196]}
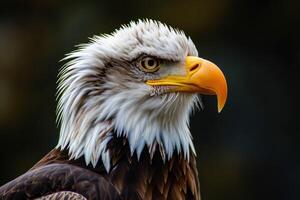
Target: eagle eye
{"type": "Point", "coordinates": [149, 64]}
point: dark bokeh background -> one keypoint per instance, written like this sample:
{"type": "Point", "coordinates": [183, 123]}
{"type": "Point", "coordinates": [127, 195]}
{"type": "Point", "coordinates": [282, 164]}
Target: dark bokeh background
{"type": "Point", "coordinates": [249, 151]}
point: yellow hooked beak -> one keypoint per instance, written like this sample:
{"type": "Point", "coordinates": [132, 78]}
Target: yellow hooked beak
{"type": "Point", "coordinates": [202, 76]}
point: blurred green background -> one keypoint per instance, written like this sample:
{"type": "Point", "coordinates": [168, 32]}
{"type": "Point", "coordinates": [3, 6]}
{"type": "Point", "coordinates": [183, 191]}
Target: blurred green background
{"type": "Point", "coordinates": [249, 151]}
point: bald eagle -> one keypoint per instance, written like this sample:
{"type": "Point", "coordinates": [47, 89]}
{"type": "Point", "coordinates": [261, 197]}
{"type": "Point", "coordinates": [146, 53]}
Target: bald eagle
{"type": "Point", "coordinates": [123, 108]}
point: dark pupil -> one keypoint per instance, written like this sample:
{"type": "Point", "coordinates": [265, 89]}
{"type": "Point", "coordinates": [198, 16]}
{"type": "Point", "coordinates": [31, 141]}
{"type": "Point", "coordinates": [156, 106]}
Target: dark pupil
{"type": "Point", "coordinates": [151, 63]}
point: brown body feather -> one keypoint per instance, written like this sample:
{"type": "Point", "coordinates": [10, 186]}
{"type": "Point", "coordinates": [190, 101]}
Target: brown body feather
{"type": "Point", "coordinates": [129, 178]}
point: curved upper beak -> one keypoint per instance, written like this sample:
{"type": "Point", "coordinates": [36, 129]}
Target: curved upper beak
{"type": "Point", "coordinates": [202, 76]}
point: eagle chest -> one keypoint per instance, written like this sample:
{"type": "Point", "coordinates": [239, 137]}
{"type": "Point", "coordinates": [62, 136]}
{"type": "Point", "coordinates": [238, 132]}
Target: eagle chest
{"type": "Point", "coordinates": [148, 178]}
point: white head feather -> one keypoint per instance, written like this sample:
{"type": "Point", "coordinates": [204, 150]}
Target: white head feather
{"type": "Point", "coordinates": [101, 95]}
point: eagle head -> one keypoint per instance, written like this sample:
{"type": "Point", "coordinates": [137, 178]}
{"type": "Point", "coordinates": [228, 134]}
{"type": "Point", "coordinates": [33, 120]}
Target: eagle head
{"type": "Point", "coordinates": [140, 83]}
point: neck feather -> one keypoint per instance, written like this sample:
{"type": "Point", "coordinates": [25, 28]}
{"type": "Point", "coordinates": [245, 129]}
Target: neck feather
{"type": "Point", "coordinates": [160, 123]}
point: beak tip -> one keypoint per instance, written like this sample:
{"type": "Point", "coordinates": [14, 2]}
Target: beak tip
{"type": "Point", "coordinates": [221, 103]}
{"type": "Point", "coordinates": [220, 109]}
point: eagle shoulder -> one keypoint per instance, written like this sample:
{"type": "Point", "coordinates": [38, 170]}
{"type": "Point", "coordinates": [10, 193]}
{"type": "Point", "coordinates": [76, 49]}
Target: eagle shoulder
{"type": "Point", "coordinates": [53, 178]}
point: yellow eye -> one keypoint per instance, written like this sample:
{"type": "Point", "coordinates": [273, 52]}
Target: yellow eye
{"type": "Point", "coordinates": [149, 64]}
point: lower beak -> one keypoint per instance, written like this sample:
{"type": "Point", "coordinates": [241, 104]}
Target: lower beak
{"type": "Point", "coordinates": [202, 76]}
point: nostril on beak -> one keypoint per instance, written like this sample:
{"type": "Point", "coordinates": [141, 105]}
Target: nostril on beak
{"type": "Point", "coordinates": [194, 67]}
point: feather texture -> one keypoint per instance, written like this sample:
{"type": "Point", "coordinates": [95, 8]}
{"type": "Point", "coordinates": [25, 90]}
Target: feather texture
{"type": "Point", "coordinates": [129, 177]}
{"type": "Point", "coordinates": [64, 195]}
